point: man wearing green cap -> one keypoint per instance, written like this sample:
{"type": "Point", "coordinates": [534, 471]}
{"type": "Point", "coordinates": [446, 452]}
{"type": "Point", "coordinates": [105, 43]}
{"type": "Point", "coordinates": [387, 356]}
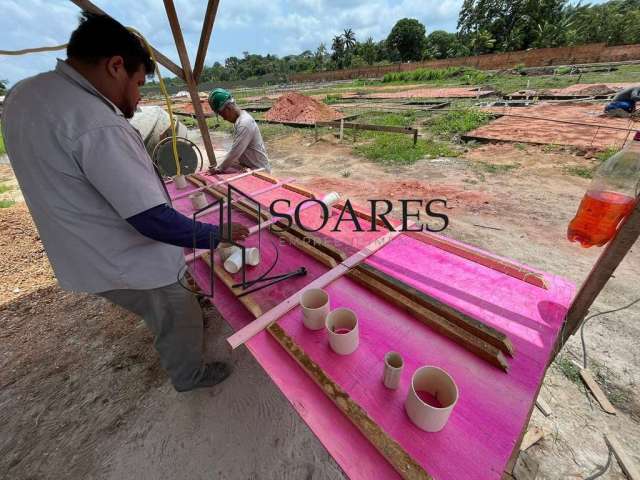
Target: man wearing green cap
{"type": "Point", "coordinates": [248, 150]}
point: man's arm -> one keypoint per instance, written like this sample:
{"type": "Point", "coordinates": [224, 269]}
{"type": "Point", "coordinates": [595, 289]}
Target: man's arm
{"type": "Point", "coordinates": [240, 143]}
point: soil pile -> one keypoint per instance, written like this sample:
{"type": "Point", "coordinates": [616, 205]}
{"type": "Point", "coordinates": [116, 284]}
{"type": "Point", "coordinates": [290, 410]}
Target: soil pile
{"type": "Point", "coordinates": [297, 108]}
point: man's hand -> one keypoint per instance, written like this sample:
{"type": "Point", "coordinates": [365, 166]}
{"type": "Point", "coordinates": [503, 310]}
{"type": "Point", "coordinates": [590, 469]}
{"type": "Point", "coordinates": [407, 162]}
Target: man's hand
{"type": "Point", "coordinates": [238, 232]}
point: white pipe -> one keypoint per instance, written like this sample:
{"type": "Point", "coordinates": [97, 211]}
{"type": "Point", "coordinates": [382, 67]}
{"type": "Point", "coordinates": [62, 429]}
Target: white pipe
{"type": "Point", "coordinates": [198, 200]}
{"type": "Point", "coordinates": [315, 308]}
{"type": "Point", "coordinates": [233, 263]}
{"type": "Point", "coordinates": [181, 182]}
{"type": "Point", "coordinates": [431, 398]}
{"type": "Point", "coordinates": [393, 366]}
{"type": "Point", "coordinates": [342, 328]}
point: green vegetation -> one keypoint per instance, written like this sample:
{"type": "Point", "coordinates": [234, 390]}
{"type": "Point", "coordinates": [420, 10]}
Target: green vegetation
{"type": "Point", "coordinates": [5, 188]}
{"type": "Point", "coordinates": [584, 172]}
{"type": "Point", "coordinates": [569, 369]}
{"type": "Point", "coordinates": [398, 149]}
{"type": "Point", "coordinates": [424, 75]}
{"type": "Point", "coordinates": [332, 98]}
{"type": "Point", "coordinates": [497, 168]}
{"type": "Point", "coordinates": [605, 154]}
{"type": "Point", "coordinates": [458, 121]}
{"type": "Point", "coordinates": [6, 203]}
{"type": "Point", "coordinates": [2, 149]}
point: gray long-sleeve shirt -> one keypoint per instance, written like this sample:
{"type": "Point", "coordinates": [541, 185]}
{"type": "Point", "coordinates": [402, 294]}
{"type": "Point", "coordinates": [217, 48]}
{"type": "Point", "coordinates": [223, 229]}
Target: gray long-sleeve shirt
{"type": "Point", "coordinates": [248, 150]}
{"type": "Point", "coordinates": [628, 94]}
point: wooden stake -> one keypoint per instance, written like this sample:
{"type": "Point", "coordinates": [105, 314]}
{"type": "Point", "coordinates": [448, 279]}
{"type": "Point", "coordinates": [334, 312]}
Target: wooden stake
{"type": "Point", "coordinates": [205, 35]}
{"type": "Point", "coordinates": [533, 436]}
{"type": "Point", "coordinates": [597, 392]}
{"type": "Point", "coordinates": [188, 77]}
{"type": "Point", "coordinates": [401, 461]}
{"type": "Point", "coordinates": [601, 272]}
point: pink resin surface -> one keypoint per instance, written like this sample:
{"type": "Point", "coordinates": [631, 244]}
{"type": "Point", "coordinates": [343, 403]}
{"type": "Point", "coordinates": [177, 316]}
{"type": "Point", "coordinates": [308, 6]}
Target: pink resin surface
{"type": "Point", "coordinates": [493, 407]}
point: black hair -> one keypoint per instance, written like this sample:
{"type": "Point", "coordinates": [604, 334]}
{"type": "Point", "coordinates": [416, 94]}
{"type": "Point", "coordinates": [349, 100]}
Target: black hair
{"type": "Point", "coordinates": [100, 36]}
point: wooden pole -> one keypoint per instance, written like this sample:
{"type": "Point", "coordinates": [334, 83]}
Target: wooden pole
{"type": "Point", "coordinates": [188, 77]}
{"type": "Point", "coordinates": [207, 26]}
{"type": "Point", "coordinates": [601, 272]}
{"type": "Point", "coordinates": [87, 6]}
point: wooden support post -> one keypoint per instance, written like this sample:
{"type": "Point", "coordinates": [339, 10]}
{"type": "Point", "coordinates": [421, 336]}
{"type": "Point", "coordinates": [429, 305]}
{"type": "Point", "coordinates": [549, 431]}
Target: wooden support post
{"type": "Point", "coordinates": [188, 77]}
{"type": "Point", "coordinates": [391, 450]}
{"type": "Point", "coordinates": [341, 128]}
{"type": "Point", "coordinates": [601, 272]}
{"type": "Point", "coordinates": [415, 138]}
{"type": "Point", "coordinates": [205, 35]}
{"type": "Point", "coordinates": [87, 6]}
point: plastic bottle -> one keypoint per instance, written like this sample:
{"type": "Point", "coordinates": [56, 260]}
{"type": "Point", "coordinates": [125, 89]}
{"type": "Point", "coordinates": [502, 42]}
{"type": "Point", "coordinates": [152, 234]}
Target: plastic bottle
{"type": "Point", "coordinates": [609, 199]}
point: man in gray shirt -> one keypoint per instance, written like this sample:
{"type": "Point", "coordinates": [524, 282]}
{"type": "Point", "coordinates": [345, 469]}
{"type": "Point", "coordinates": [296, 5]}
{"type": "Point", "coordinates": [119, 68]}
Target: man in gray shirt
{"type": "Point", "coordinates": [624, 102]}
{"type": "Point", "coordinates": [101, 209]}
{"type": "Point", "coordinates": [248, 150]}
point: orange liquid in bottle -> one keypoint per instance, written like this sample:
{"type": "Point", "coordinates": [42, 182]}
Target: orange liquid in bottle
{"type": "Point", "coordinates": [598, 217]}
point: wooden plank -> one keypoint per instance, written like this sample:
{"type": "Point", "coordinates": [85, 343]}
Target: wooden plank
{"type": "Point", "coordinates": [471, 325]}
{"type": "Point", "coordinates": [505, 267]}
{"type": "Point", "coordinates": [222, 274]}
{"type": "Point", "coordinates": [543, 406]}
{"type": "Point", "coordinates": [599, 395]}
{"type": "Point", "coordinates": [266, 176]}
{"type": "Point", "coordinates": [221, 182]}
{"type": "Point", "coordinates": [606, 264]}
{"type": "Point", "coordinates": [626, 463]}
{"type": "Point", "coordinates": [300, 190]}
{"type": "Point", "coordinates": [259, 324]}
{"type": "Point", "coordinates": [188, 77]}
{"type": "Point", "coordinates": [438, 323]}
{"type": "Point", "coordinates": [87, 6]}
{"type": "Point", "coordinates": [533, 436]}
{"type": "Point", "coordinates": [391, 450]}
{"type": "Point", "coordinates": [205, 35]}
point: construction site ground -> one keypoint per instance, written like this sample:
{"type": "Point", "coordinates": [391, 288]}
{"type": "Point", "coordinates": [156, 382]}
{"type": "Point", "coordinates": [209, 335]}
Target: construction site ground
{"type": "Point", "coordinates": [82, 394]}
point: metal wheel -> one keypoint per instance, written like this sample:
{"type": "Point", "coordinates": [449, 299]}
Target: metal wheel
{"type": "Point", "coordinates": [189, 154]}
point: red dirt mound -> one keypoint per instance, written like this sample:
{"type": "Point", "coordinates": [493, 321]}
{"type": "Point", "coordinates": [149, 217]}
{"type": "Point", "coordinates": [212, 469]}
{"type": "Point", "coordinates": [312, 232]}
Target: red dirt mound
{"type": "Point", "coordinates": [297, 108]}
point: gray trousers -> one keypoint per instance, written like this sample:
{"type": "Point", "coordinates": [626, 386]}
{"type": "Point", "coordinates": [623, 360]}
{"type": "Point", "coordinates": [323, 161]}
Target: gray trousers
{"type": "Point", "coordinates": [175, 318]}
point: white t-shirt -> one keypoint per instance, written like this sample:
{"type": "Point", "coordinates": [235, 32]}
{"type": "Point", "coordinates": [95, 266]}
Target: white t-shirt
{"type": "Point", "coordinates": [248, 149]}
{"type": "Point", "coordinates": [83, 170]}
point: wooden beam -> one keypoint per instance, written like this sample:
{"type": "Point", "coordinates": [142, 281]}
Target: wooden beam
{"type": "Point", "coordinates": [438, 323]}
{"type": "Point", "coordinates": [471, 325]}
{"type": "Point", "coordinates": [391, 450]}
{"type": "Point", "coordinates": [607, 263]}
{"type": "Point", "coordinates": [188, 77]}
{"type": "Point", "coordinates": [205, 35]}
{"type": "Point", "coordinates": [600, 396]}
{"type": "Point", "coordinates": [87, 6]}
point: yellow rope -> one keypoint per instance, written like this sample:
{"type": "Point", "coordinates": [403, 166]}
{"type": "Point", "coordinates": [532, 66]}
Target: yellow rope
{"type": "Point", "coordinates": [163, 89]}
{"type": "Point", "coordinates": [174, 141]}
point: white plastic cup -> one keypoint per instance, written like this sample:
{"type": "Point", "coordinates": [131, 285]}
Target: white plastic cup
{"type": "Point", "coordinates": [226, 250]}
{"type": "Point", "coordinates": [431, 398]}
{"type": "Point", "coordinates": [393, 366]}
{"type": "Point", "coordinates": [198, 200]}
{"type": "Point", "coordinates": [315, 308]}
{"type": "Point", "coordinates": [342, 327]}
{"type": "Point", "coordinates": [330, 198]}
{"type": "Point", "coordinates": [180, 181]}
{"type": "Point", "coordinates": [233, 263]}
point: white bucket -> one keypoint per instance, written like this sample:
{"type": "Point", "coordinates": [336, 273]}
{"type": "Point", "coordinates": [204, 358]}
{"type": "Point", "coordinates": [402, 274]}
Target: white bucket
{"type": "Point", "coordinates": [441, 389]}
{"type": "Point", "coordinates": [342, 327]}
{"type": "Point", "coordinates": [315, 308]}
{"type": "Point", "coordinates": [393, 366]}
{"type": "Point", "coordinates": [180, 181]}
{"type": "Point", "coordinates": [198, 200]}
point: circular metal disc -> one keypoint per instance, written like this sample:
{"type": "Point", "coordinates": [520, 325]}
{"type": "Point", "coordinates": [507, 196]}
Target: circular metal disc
{"type": "Point", "coordinates": [186, 153]}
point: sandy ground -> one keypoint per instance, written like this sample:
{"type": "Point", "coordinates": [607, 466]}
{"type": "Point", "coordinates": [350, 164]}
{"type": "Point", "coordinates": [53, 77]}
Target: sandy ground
{"type": "Point", "coordinates": [82, 396]}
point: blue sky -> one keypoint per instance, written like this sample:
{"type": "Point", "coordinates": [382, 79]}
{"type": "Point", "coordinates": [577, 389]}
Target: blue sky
{"type": "Point", "coordinates": [257, 26]}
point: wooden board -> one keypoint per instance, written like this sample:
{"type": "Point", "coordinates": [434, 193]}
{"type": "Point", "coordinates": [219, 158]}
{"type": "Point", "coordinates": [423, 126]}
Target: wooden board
{"type": "Point", "coordinates": [600, 396]}
{"type": "Point", "coordinates": [626, 463]}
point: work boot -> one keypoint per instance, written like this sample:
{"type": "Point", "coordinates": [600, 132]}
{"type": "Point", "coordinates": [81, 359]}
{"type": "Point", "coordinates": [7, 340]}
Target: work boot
{"type": "Point", "coordinates": [211, 374]}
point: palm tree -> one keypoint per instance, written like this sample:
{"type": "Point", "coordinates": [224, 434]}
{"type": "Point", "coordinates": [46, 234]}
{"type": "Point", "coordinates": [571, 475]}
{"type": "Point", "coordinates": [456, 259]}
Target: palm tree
{"type": "Point", "coordinates": [349, 39]}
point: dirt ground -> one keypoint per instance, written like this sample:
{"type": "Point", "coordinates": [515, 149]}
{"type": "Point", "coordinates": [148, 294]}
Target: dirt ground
{"type": "Point", "coordinates": [82, 395]}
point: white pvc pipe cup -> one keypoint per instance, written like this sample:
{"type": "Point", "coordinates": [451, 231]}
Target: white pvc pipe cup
{"type": "Point", "coordinates": [330, 198]}
{"type": "Point", "coordinates": [226, 250]}
{"type": "Point", "coordinates": [342, 327]}
{"type": "Point", "coordinates": [233, 263]}
{"type": "Point", "coordinates": [315, 308]}
{"type": "Point", "coordinates": [431, 398]}
{"type": "Point", "coordinates": [180, 181]}
{"type": "Point", "coordinates": [198, 200]}
{"type": "Point", "coordinates": [393, 366]}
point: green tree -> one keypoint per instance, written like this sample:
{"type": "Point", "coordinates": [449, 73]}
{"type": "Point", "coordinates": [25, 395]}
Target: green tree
{"type": "Point", "coordinates": [441, 44]}
{"type": "Point", "coordinates": [3, 86]}
{"type": "Point", "coordinates": [337, 46]}
{"type": "Point", "coordinates": [407, 37]}
{"type": "Point", "coordinates": [367, 51]}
